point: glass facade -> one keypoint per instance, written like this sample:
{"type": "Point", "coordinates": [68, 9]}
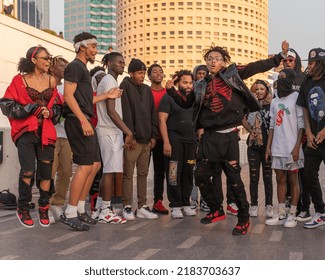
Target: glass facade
{"type": "Point", "coordinates": [34, 12]}
{"type": "Point", "coordinates": [95, 16]}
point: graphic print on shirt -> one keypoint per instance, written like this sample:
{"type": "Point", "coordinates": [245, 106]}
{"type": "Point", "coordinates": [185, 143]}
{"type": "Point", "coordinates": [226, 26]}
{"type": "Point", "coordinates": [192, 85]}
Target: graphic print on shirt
{"type": "Point", "coordinates": [217, 95]}
{"type": "Point", "coordinates": [316, 103]}
{"type": "Point", "coordinates": [280, 114]}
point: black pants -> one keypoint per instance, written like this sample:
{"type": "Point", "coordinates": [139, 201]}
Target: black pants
{"type": "Point", "coordinates": [256, 157]}
{"type": "Point", "coordinates": [159, 171]}
{"type": "Point", "coordinates": [216, 151]}
{"type": "Point", "coordinates": [313, 159]}
{"type": "Point", "coordinates": [29, 148]}
{"type": "Point", "coordinates": [179, 173]}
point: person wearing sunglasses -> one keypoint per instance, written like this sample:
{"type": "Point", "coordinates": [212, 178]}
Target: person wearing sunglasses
{"type": "Point", "coordinates": [222, 100]}
{"type": "Point", "coordinates": [32, 105]}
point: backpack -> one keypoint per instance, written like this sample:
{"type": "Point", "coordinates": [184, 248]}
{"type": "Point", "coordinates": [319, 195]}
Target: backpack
{"type": "Point", "coordinates": [8, 200]}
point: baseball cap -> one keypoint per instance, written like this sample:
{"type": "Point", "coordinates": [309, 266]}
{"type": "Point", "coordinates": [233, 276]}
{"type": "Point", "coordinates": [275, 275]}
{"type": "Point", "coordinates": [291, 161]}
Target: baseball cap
{"type": "Point", "coordinates": [291, 53]}
{"type": "Point", "coordinates": [316, 54]}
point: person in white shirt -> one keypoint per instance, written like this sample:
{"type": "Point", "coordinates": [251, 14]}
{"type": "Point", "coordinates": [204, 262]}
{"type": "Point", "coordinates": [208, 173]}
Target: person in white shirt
{"type": "Point", "coordinates": [286, 126]}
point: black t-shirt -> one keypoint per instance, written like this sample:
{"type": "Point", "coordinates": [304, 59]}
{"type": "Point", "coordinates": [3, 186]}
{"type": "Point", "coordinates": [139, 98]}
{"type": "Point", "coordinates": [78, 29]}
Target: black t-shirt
{"type": "Point", "coordinates": [312, 97]}
{"type": "Point", "coordinates": [77, 72]}
{"type": "Point", "coordinates": [179, 122]}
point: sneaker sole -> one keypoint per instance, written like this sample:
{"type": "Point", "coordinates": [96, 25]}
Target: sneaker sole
{"type": "Point", "coordinates": [314, 226]}
{"type": "Point", "coordinates": [113, 221]}
{"type": "Point", "coordinates": [234, 214]}
{"type": "Point", "coordinates": [177, 217]}
{"type": "Point", "coordinates": [303, 219]}
{"type": "Point", "coordinates": [27, 226]}
{"type": "Point", "coordinates": [144, 217]}
{"type": "Point", "coordinates": [276, 224]}
{"type": "Point", "coordinates": [166, 212]}
{"type": "Point", "coordinates": [218, 219]}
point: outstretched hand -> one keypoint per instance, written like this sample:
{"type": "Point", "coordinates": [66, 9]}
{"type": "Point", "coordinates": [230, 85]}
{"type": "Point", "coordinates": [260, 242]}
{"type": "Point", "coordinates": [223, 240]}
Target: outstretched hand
{"type": "Point", "coordinates": [170, 83]}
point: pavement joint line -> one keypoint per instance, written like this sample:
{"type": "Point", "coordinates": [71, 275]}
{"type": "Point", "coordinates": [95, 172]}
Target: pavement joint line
{"type": "Point", "coordinates": [258, 228]}
{"type": "Point", "coordinates": [126, 243]}
{"type": "Point", "coordinates": [9, 257]}
{"type": "Point", "coordinates": [190, 242]}
{"type": "Point", "coordinates": [276, 235]}
{"type": "Point", "coordinates": [137, 226]}
{"type": "Point", "coordinates": [7, 219]}
{"type": "Point", "coordinates": [65, 237]}
{"type": "Point", "coordinates": [296, 256]}
{"type": "Point", "coordinates": [173, 223]}
{"type": "Point", "coordinates": [146, 254]}
{"type": "Point", "coordinates": [76, 248]}
{"type": "Point", "coordinates": [8, 232]}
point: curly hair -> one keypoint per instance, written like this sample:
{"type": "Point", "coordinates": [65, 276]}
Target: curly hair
{"type": "Point", "coordinates": [25, 64]}
{"type": "Point", "coordinates": [83, 36]}
{"type": "Point", "coordinates": [179, 74]}
{"type": "Point", "coordinates": [222, 50]}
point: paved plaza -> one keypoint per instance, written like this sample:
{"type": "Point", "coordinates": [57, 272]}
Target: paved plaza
{"type": "Point", "coordinates": [163, 239]}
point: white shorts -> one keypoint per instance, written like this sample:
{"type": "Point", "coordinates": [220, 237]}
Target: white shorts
{"type": "Point", "coordinates": [111, 150]}
{"type": "Point", "coordinates": [285, 163]}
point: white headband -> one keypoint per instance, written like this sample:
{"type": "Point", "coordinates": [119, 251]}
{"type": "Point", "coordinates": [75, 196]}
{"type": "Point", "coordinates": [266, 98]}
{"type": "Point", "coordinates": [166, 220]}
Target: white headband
{"type": "Point", "coordinates": [84, 43]}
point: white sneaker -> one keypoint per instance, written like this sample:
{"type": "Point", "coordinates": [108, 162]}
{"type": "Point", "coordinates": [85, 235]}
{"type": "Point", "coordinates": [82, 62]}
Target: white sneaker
{"type": "Point", "coordinates": [188, 211]}
{"type": "Point", "coordinates": [56, 212]}
{"type": "Point", "coordinates": [95, 214]}
{"type": "Point", "coordinates": [127, 213]}
{"type": "Point", "coordinates": [291, 221]}
{"type": "Point", "coordinates": [145, 213]}
{"type": "Point", "coordinates": [108, 216]}
{"type": "Point", "coordinates": [51, 217]}
{"type": "Point", "coordinates": [253, 211]}
{"type": "Point", "coordinates": [269, 213]}
{"type": "Point", "coordinates": [177, 213]}
{"type": "Point", "coordinates": [276, 220]}
{"type": "Point", "coordinates": [304, 216]}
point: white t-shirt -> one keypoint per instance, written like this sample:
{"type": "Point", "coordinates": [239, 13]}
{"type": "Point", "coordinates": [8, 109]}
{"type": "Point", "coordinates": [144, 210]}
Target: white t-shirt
{"type": "Point", "coordinates": [286, 120]}
{"type": "Point", "coordinates": [105, 125]}
{"type": "Point", "coordinates": [60, 131]}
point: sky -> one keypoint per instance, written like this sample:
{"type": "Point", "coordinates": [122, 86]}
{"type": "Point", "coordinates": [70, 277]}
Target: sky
{"type": "Point", "coordinates": [300, 22]}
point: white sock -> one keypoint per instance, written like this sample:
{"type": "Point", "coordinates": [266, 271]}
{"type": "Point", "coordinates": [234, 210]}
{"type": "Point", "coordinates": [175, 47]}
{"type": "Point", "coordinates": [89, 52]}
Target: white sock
{"type": "Point", "coordinates": [81, 206]}
{"type": "Point", "coordinates": [282, 209]}
{"type": "Point", "coordinates": [293, 209]}
{"type": "Point", "coordinates": [98, 202]}
{"type": "Point", "coordinates": [71, 211]}
{"type": "Point", "coordinates": [106, 204]}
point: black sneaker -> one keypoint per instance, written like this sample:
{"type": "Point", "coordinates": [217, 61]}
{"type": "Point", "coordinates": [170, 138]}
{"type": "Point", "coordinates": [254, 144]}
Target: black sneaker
{"type": "Point", "coordinates": [213, 217]}
{"type": "Point", "coordinates": [43, 213]}
{"type": "Point", "coordinates": [24, 218]}
{"type": "Point", "coordinates": [84, 217]}
{"type": "Point", "coordinates": [75, 223]}
{"type": "Point", "coordinates": [241, 228]}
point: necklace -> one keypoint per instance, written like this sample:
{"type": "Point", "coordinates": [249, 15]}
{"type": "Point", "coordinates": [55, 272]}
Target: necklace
{"type": "Point", "coordinates": [39, 79]}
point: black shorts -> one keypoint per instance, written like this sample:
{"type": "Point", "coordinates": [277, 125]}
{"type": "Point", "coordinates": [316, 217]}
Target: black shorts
{"type": "Point", "coordinates": [85, 149]}
{"type": "Point", "coordinates": [29, 147]}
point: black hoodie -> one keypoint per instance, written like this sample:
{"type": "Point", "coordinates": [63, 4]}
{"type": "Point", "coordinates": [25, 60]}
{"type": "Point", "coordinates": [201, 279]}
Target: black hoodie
{"type": "Point", "coordinates": [139, 111]}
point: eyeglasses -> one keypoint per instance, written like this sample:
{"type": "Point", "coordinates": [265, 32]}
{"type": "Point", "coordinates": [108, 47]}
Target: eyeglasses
{"type": "Point", "coordinates": [288, 60]}
{"type": "Point", "coordinates": [47, 58]}
{"type": "Point", "coordinates": [210, 59]}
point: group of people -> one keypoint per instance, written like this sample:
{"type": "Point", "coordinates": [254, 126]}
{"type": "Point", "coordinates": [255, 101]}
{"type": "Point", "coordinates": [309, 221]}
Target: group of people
{"type": "Point", "coordinates": [189, 126]}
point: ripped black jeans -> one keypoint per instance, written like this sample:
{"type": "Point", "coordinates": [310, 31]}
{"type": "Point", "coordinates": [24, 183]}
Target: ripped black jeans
{"type": "Point", "coordinates": [256, 157]}
{"type": "Point", "coordinates": [217, 152]}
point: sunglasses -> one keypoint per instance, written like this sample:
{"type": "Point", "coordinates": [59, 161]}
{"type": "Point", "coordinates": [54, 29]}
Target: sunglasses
{"type": "Point", "coordinates": [47, 58]}
{"type": "Point", "coordinates": [288, 60]}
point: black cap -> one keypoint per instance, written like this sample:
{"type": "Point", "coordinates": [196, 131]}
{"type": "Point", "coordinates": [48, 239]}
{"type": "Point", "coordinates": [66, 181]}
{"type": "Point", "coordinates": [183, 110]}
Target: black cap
{"type": "Point", "coordinates": [136, 65]}
{"type": "Point", "coordinates": [316, 54]}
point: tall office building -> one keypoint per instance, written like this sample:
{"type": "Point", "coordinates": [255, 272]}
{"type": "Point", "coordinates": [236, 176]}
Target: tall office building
{"type": "Point", "coordinates": [95, 16]}
{"type": "Point", "coordinates": [34, 12]}
{"type": "Point", "coordinates": [174, 33]}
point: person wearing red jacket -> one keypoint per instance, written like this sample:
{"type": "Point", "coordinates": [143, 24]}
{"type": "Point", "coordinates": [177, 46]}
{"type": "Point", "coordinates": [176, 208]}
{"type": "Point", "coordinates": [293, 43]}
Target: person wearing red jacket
{"type": "Point", "coordinates": [32, 105]}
